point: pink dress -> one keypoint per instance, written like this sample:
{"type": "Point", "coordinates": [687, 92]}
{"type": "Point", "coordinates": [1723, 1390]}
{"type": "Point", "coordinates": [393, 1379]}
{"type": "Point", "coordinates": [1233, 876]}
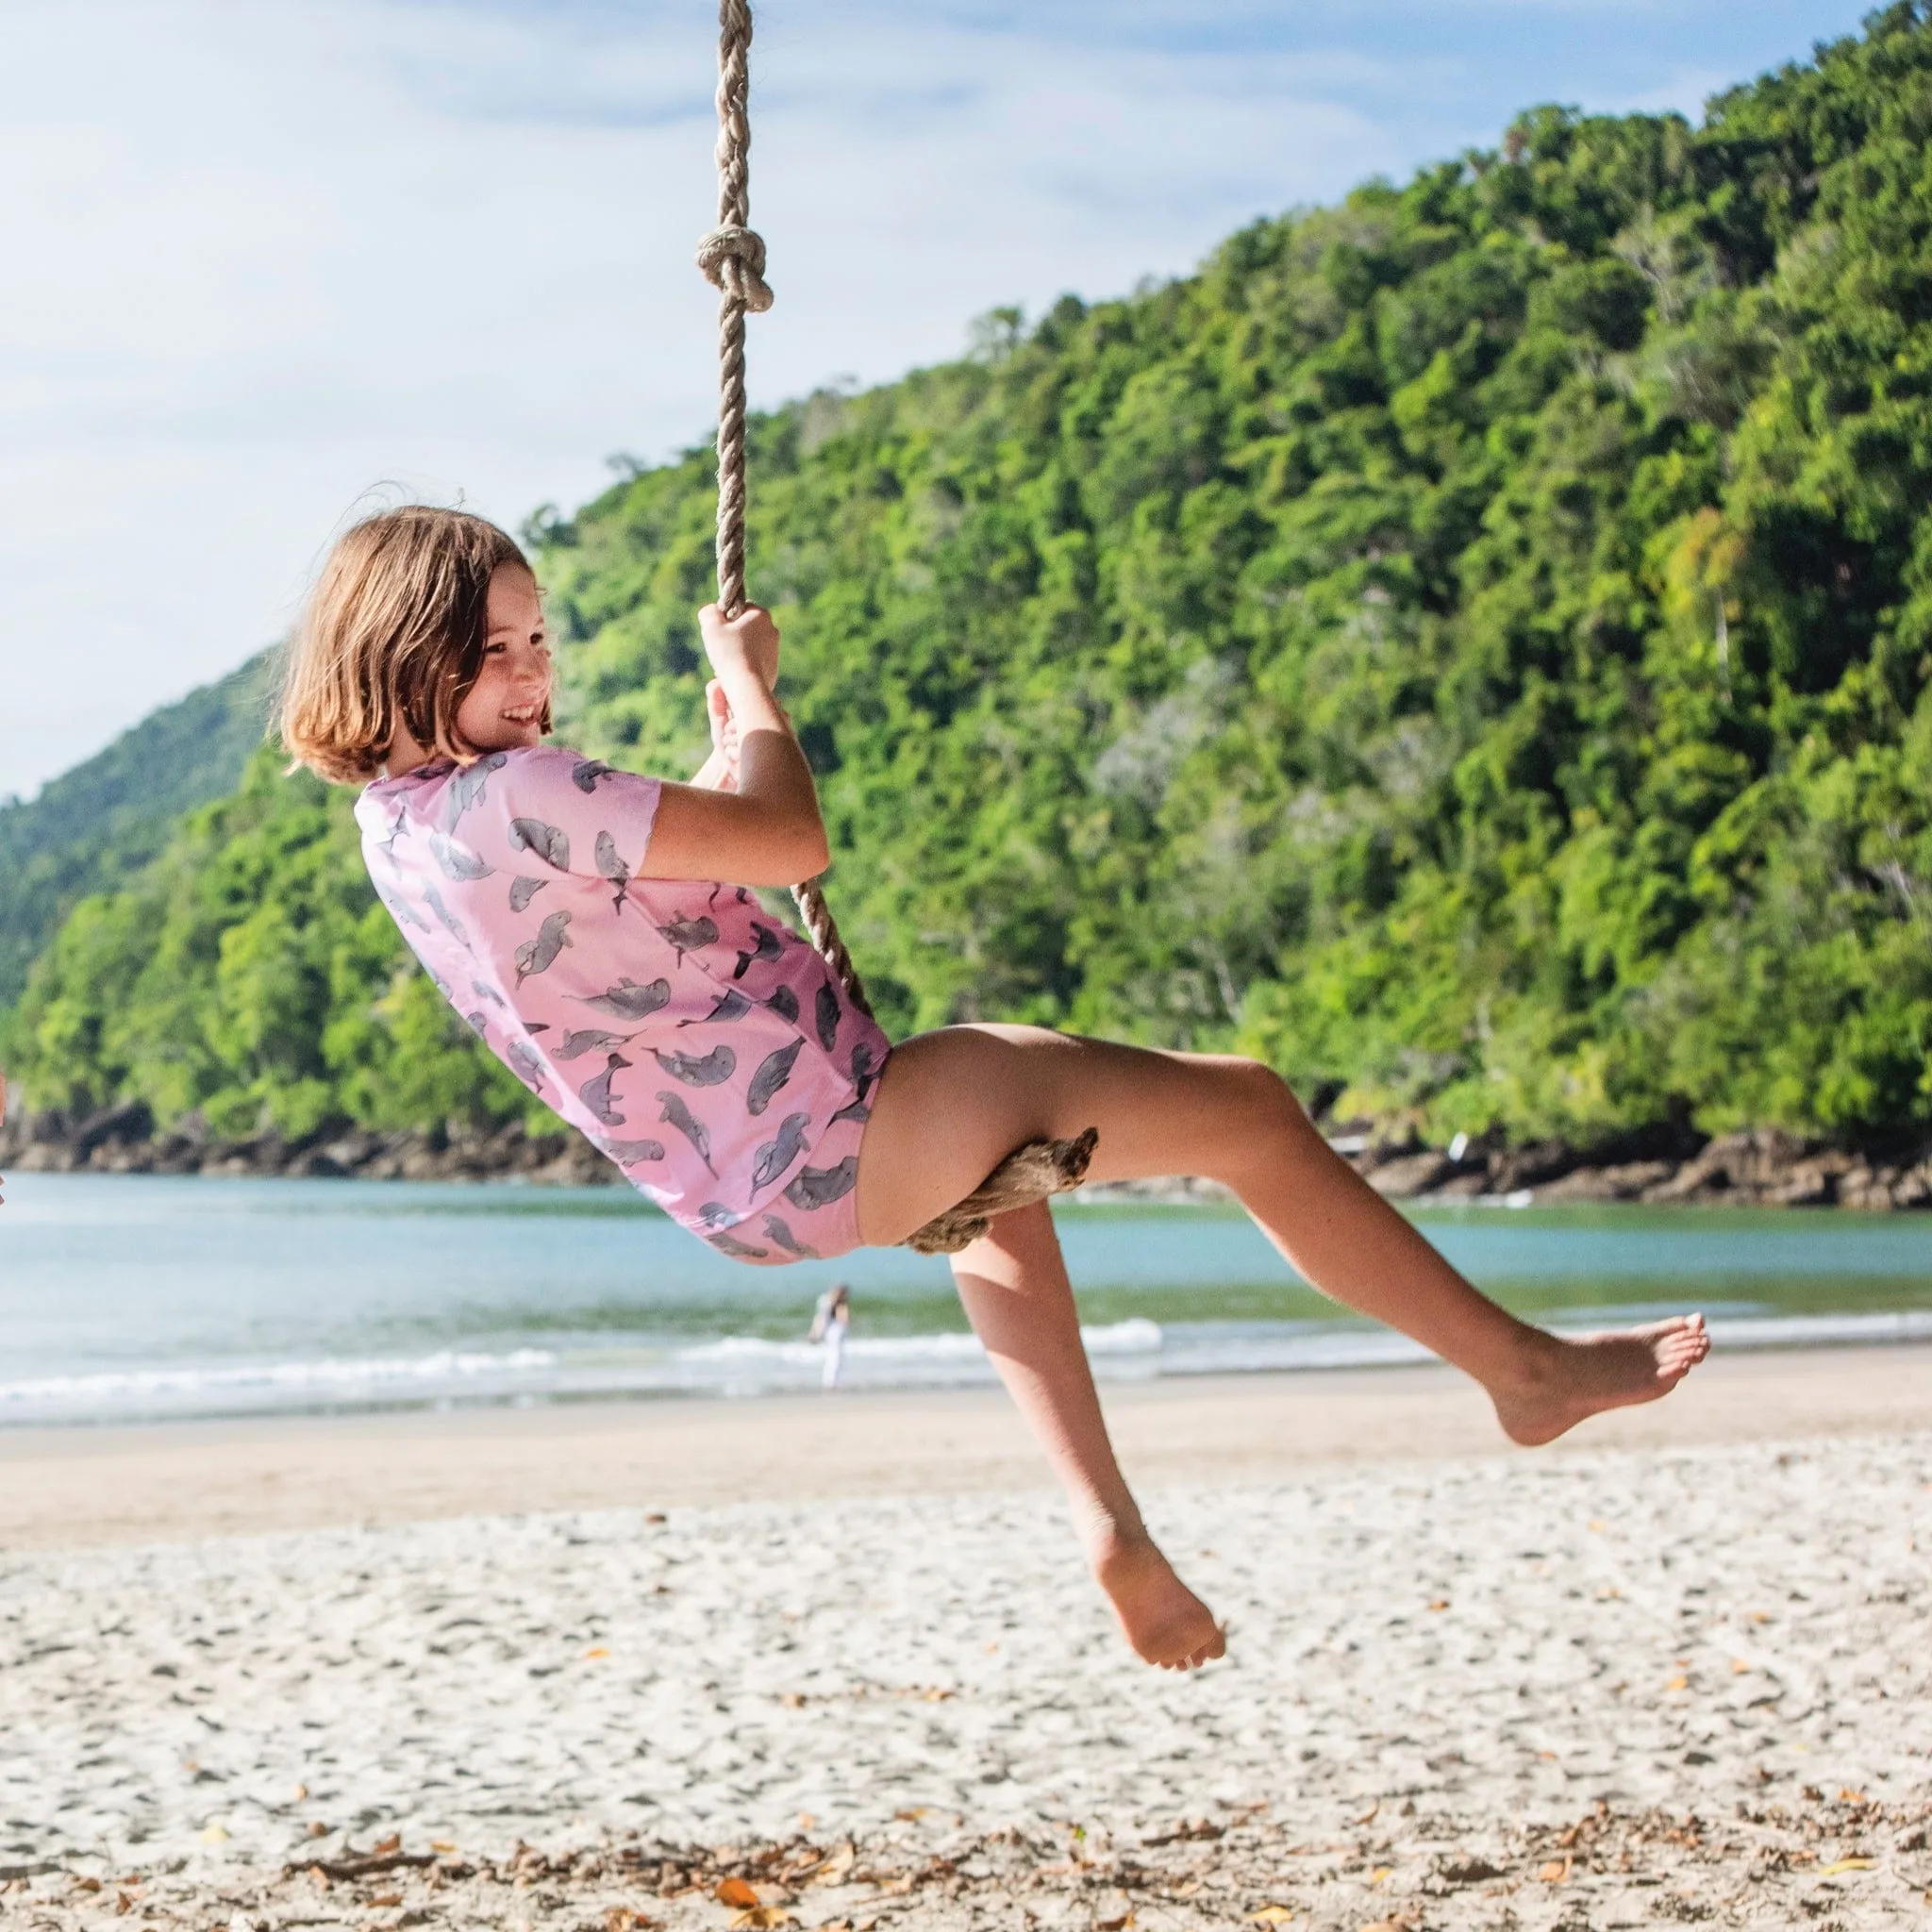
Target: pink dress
{"type": "Point", "coordinates": [700, 1044]}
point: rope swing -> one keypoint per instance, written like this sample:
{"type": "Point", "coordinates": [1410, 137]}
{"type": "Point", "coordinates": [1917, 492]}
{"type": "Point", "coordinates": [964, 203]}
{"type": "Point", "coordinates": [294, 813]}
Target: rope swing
{"type": "Point", "coordinates": [732, 257]}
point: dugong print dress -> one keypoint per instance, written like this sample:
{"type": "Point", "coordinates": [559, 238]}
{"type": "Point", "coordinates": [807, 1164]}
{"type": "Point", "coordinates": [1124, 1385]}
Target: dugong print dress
{"type": "Point", "coordinates": [697, 1041]}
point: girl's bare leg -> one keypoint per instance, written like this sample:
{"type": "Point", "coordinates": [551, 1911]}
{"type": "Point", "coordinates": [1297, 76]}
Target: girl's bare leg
{"type": "Point", "coordinates": [1015, 1290]}
{"type": "Point", "coordinates": [954, 1103]}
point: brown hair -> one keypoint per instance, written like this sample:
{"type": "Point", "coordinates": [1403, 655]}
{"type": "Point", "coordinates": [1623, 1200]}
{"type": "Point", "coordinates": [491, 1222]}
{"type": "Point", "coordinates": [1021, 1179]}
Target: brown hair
{"type": "Point", "coordinates": [393, 635]}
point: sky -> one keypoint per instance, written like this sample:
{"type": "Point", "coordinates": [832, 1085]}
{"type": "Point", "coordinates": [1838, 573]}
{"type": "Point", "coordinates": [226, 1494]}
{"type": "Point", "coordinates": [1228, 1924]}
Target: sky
{"type": "Point", "coordinates": [271, 262]}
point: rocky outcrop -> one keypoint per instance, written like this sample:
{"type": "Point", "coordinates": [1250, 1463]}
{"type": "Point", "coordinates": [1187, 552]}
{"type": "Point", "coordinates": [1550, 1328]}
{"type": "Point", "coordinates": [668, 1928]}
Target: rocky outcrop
{"type": "Point", "coordinates": [1765, 1167]}
{"type": "Point", "coordinates": [122, 1140]}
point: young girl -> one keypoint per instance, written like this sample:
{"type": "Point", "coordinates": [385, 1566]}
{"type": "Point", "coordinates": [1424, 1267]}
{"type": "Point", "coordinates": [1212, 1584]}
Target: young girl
{"type": "Point", "coordinates": [597, 931]}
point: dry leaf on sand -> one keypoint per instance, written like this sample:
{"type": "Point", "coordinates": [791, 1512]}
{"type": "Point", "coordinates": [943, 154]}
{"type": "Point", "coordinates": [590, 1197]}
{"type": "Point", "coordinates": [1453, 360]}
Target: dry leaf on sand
{"type": "Point", "coordinates": [1270, 1915]}
{"type": "Point", "coordinates": [736, 1892]}
{"type": "Point", "coordinates": [838, 1861]}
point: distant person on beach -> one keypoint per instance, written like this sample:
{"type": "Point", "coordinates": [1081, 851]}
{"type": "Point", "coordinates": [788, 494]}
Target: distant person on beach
{"type": "Point", "coordinates": [830, 1321]}
{"type": "Point", "coordinates": [598, 932]}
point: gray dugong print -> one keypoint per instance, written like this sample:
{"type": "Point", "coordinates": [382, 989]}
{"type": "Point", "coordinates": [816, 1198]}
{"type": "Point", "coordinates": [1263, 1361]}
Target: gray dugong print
{"type": "Point", "coordinates": [776, 1155]}
{"type": "Point", "coordinates": [732, 1004]}
{"type": "Point", "coordinates": [826, 1015]}
{"type": "Point", "coordinates": [863, 1072]}
{"type": "Point", "coordinates": [817, 1186]}
{"type": "Point", "coordinates": [612, 866]}
{"type": "Point", "coordinates": [434, 900]}
{"type": "Point", "coordinates": [773, 1070]}
{"type": "Point", "coordinates": [686, 935]}
{"type": "Point", "coordinates": [782, 1237]}
{"type": "Point", "coordinates": [680, 1116]}
{"type": "Point", "coordinates": [737, 1250]}
{"type": "Point", "coordinates": [627, 1000]}
{"type": "Point", "coordinates": [549, 842]}
{"type": "Point", "coordinates": [586, 771]}
{"type": "Point", "coordinates": [769, 946]}
{"type": "Point", "coordinates": [784, 1002]}
{"type": "Point", "coordinates": [710, 1070]}
{"type": "Point", "coordinates": [540, 953]}
{"type": "Point", "coordinates": [595, 1093]}
{"type": "Point", "coordinates": [573, 1046]}
{"type": "Point", "coordinates": [524, 1064]}
{"type": "Point", "coordinates": [522, 889]}
{"type": "Point", "coordinates": [466, 787]}
{"type": "Point", "coordinates": [402, 911]}
{"type": "Point", "coordinates": [634, 1152]}
{"type": "Point", "coordinates": [400, 829]}
{"type": "Point", "coordinates": [458, 861]}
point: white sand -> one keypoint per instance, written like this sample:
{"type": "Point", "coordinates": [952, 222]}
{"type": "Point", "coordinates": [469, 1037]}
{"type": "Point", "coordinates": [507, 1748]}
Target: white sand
{"type": "Point", "coordinates": [1675, 1670]}
{"type": "Point", "coordinates": [1487, 1638]}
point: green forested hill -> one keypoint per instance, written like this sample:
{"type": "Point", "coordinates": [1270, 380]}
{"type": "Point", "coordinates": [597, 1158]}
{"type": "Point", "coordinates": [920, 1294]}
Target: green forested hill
{"type": "Point", "coordinates": [1468, 645]}
{"type": "Point", "coordinates": [93, 826]}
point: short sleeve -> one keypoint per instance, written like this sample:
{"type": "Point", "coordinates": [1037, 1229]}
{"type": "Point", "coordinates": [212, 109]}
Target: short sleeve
{"type": "Point", "coordinates": [575, 814]}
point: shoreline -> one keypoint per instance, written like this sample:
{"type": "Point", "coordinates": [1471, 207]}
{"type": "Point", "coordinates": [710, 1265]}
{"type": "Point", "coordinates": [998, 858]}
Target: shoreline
{"type": "Point", "coordinates": [1758, 1167]}
{"type": "Point", "coordinates": [78, 1486]}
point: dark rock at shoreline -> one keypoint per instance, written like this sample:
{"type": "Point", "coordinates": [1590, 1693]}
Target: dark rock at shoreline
{"type": "Point", "coordinates": [1763, 1167]}
{"type": "Point", "coordinates": [1629, 1180]}
{"type": "Point", "coordinates": [122, 1139]}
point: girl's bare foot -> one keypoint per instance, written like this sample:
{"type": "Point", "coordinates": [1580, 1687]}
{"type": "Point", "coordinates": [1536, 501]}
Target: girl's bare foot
{"type": "Point", "coordinates": [1165, 1621]}
{"type": "Point", "coordinates": [1565, 1381]}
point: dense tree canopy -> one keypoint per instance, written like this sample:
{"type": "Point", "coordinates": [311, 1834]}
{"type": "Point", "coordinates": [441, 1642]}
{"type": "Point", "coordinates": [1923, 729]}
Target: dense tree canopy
{"type": "Point", "coordinates": [95, 825]}
{"type": "Point", "coordinates": [1468, 645]}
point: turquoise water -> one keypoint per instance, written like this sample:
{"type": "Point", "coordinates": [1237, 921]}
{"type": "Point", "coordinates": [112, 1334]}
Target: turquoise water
{"type": "Point", "coordinates": [130, 1297]}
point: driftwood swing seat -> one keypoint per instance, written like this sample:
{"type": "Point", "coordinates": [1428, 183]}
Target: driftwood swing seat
{"type": "Point", "coordinates": [732, 257]}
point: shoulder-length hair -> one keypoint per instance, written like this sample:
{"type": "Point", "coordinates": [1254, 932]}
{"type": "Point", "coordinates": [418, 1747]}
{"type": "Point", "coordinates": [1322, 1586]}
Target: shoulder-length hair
{"type": "Point", "coordinates": [393, 636]}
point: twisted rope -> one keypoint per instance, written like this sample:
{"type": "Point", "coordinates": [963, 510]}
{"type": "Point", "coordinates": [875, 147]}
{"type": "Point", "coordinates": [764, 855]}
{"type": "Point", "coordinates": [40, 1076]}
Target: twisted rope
{"type": "Point", "coordinates": [732, 257]}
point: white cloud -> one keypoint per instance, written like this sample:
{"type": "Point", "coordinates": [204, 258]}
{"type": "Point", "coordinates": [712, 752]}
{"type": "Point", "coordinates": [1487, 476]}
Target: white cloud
{"type": "Point", "coordinates": [261, 258]}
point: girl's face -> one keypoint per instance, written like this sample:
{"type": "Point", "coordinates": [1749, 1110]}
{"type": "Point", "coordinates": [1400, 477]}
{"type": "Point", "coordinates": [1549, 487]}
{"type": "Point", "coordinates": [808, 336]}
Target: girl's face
{"type": "Point", "coordinates": [504, 708]}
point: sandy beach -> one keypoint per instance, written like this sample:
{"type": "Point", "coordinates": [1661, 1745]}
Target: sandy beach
{"type": "Point", "coordinates": [837, 1663]}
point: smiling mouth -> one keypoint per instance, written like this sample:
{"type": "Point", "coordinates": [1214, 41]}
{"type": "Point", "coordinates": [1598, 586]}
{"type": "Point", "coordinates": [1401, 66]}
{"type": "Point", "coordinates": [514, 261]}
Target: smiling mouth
{"type": "Point", "coordinates": [521, 714]}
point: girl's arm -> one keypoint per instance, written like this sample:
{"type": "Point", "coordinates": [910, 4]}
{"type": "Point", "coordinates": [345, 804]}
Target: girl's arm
{"type": "Point", "coordinates": [719, 773]}
{"type": "Point", "coordinates": [768, 831]}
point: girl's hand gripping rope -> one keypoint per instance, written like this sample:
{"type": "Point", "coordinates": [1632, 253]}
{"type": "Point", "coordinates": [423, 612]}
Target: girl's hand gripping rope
{"type": "Point", "coordinates": [747, 643]}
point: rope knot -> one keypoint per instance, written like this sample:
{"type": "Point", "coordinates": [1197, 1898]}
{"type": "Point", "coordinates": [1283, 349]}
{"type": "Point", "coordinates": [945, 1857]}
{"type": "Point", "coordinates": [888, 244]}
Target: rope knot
{"type": "Point", "coordinates": [733, 260]}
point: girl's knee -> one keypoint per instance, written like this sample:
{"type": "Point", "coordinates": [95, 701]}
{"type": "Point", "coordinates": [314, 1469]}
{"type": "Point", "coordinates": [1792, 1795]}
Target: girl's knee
{"type": "Point", "coordinates": [1263, 1100]}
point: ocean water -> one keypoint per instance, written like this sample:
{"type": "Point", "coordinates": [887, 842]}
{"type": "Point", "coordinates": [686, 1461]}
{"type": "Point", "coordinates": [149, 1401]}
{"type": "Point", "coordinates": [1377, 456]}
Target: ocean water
{"type": "Point", "coordinates": [129, 1298]}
